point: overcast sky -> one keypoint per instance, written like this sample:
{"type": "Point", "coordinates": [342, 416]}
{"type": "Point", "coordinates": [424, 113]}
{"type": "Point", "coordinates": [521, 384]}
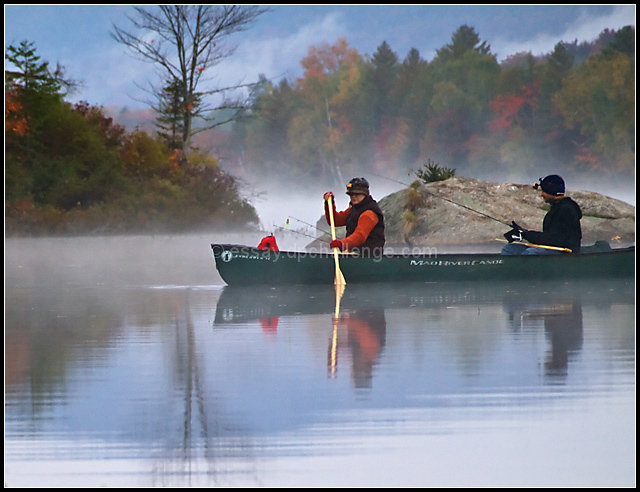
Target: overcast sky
{"type": "Point", "coordinates": [78, 37]}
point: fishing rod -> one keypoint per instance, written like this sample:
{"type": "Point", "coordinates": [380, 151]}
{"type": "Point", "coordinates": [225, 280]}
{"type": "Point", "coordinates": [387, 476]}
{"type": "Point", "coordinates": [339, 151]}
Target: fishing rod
{"type": "Point", "coordinates": [446, 199]}
{"type": "Point", "coordinates": [301, 233]}
{"type": "Point", "coordinates": [307, 223]}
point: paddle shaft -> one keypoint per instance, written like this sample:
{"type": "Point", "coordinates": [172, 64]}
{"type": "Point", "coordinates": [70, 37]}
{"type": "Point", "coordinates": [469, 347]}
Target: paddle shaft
{"type": "Point", "coordinates": [339, 278]}
{"type": "Point", "coordinates": [543, 246]}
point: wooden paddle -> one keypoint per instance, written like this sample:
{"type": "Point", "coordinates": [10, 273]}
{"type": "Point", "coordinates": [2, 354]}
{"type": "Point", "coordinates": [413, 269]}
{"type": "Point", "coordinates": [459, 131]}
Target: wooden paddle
{"type": "Point", "coordinates": [543, 246]}
{"type": "Point", "coordinates": [339, 278]}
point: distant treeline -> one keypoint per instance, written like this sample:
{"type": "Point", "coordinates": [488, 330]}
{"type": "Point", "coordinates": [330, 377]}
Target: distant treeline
{"type": "Point", "coordinates": [572, 110]}
{"type": "Point", "coordinates": [69, 169]}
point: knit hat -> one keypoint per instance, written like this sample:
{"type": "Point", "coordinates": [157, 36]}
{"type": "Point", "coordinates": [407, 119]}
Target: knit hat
{"type": "Point", "coordinates": [358, 186]}
{"type": "Point", "coordinates": [552, 185]}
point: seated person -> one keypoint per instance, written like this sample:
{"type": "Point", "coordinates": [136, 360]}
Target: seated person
{"type": "Point", "coordinates": [560, 227]}
{"type": "Point", "coordinates": [363, 218]}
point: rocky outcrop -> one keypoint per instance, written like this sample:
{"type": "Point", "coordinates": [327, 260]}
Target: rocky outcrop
{"type": "Point", "coordinates": [425, 215]}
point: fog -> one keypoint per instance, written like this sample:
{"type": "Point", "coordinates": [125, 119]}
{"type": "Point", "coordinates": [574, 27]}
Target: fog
{"type": "Point", "coordinates": [276, 203]}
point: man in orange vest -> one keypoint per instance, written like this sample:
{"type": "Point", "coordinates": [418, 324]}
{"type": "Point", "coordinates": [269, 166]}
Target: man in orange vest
{"type": "Point", "coordinates": [363, 219]}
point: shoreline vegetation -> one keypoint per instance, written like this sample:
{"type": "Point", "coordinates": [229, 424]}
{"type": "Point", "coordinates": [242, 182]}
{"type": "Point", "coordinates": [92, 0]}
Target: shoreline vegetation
{"type": "Point", "coordinates": [72, 170]}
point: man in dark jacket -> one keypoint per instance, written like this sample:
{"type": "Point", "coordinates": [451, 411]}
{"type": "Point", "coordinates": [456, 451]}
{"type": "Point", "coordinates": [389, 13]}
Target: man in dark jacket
{"type": "Point", "coordinates": [560, 227]}
{"type": "Point", "coordinates": [363, 219]}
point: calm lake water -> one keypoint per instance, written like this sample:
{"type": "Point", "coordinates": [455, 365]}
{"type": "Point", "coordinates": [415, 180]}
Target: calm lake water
{"type": "Point", "coordinates": [129, 363]}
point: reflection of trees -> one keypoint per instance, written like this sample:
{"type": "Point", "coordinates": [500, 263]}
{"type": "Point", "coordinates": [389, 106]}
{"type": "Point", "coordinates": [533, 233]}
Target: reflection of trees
{"type": "Point", "coordinates": [49, 322]}
{"type": "Point", "coordinates": [203, 424]}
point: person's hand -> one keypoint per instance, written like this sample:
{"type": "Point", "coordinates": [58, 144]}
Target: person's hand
{"type": "Point", "coordinates": [336, 243]}
{"type": "Point", "coordinates": [513, 235]}
{"type": "Point", "coordinates": [327, 195]}
{"type": "Point", "coordinates": [517, 227]}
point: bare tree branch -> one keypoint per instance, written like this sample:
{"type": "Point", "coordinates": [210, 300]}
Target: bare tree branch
{"type": "Point", "coordinates": [184, 42]}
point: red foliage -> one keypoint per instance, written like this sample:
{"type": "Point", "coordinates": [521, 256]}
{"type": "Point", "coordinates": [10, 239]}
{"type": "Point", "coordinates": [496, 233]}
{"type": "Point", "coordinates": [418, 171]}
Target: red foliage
{"type": "Point", "coordinates": [112, 133]}
{"type": "Point", "coordinates": [14, 120]}
{"type": "Point", "coordinates": [507, 106]}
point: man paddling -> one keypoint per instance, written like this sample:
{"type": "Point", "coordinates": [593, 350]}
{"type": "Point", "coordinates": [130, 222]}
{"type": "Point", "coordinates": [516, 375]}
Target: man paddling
{"type": "Point", "coordinates": [363, 218]}
{"type": "Point", "coordinates": [560, 227]}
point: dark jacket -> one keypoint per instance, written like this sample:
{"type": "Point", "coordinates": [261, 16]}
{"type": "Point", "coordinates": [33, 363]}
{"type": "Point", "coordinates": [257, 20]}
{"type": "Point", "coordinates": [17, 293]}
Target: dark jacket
{"type": "Point", "coordinates": [375, 240]}
{"type": "Point", "coordinates": [560, 227]}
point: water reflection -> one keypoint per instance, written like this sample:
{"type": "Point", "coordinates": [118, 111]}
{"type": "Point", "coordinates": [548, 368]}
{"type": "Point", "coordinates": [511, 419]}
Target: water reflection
{"type": "Point", "coordinates": [553, 308]}
{"type": "Point", "coordinates": [141, 381]}
{"type": "Point", "coordinates": [562, 321]}
{"type": "Point", "coordinates": [365, 332]}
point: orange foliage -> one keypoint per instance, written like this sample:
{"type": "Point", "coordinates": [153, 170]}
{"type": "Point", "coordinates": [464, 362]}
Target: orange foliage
{"type": "Point", "coordinates": [175, 158]}
{"type": "Point", "coordinates": [324, 59]}
{"type": "Point", "coordinates": [14, 120]}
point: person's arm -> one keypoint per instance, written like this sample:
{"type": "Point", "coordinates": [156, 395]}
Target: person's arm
{"type": "Point", "coordinates": [339, 218]}
{"type": "Point", "coordinates": [558, 232]}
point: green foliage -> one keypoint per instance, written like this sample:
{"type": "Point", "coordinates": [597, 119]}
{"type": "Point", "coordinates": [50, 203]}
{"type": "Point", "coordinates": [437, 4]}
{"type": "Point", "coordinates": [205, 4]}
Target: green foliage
{"type": "Point", "coordinates": [71, 170]}
{"type": "Point", "coordinates": [29, 73]}
{"type": "Point", "coordinates": [431, 172]}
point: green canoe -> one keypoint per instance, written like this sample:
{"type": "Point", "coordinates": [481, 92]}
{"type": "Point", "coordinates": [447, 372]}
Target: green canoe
{"type": "Point", "coordinates": [245, 265]}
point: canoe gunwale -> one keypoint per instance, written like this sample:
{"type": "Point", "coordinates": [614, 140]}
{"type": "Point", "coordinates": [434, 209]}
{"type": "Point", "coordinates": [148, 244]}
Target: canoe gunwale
{"type": "Point", "coordinates": [321, 254]}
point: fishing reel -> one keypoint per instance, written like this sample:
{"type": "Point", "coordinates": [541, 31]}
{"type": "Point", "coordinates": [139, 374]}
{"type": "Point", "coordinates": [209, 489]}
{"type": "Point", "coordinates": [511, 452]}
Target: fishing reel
{"type": "Point", "coordinates": [514, 234]}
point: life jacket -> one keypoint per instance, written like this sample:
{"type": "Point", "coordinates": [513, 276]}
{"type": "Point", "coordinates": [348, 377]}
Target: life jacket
{"type": "Point", "coordinates": [375, 242]}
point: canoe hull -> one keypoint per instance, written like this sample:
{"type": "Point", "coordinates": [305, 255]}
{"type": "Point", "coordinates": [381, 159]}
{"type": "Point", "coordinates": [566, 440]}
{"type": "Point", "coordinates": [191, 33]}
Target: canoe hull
{"type": "Point", "coordinates": [244, 265]}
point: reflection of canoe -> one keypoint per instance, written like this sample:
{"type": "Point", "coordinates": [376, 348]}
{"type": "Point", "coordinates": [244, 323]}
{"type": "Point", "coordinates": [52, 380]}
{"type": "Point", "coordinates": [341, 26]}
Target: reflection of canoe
{"type": "Point", "coordinates": [244, 265]}
{"type": "Point", "coordinates": [241, 304]}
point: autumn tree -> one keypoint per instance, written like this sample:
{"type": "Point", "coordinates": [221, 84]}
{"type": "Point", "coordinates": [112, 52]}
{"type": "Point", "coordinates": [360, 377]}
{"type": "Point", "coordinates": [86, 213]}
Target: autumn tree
{"type": "Point", "coordinates": [598, 99]}
{"type": "Point", "coordinates": [314, 128]}
{"type": "Point", "coordinates": [186, 42]}
{"type": "Point", "coordinates": [38, 166]}
{"type": "Point", "coordinates": [353, 112]}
